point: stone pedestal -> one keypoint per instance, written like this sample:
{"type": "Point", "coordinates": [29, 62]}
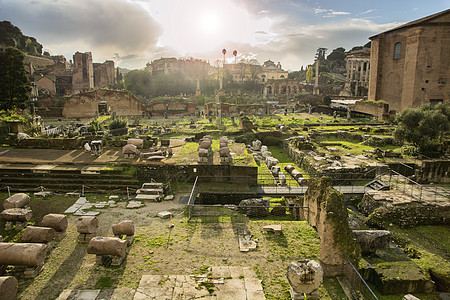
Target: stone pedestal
{"type": "Point", "coordinates": [84, 238]}
{"type": "Point", "coordinates": [300, 296]}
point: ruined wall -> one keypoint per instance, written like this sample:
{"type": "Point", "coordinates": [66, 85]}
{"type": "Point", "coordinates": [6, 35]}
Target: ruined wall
{"type": "Point", "coordinates": [328, 214]}
{"type": "Point", "coordinates": [396, 207]}
{"type": "Point", "coordinates": [172, 107]}
{"type": "Point", "coordinates": [85, 105]}
{"type": "Point", "coordinates": [104, 74]}
{"type": "Point", "coordinates": [436, 171]}
{"type": "Point", "coordinates": [379, 110]}
{"type": "Point", "coordinates": [83, 72]}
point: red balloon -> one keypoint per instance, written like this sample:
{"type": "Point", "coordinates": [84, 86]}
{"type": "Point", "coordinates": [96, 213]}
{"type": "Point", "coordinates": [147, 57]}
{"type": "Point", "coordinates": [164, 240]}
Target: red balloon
{"type": "Point", "coordinates": [224, 51]}
{"type": "Point", "coordinates": [234, 52]}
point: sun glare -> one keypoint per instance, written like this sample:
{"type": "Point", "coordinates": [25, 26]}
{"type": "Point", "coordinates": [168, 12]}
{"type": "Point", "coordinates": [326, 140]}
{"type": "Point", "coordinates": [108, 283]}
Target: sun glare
{"type": "Point", "coordinates": [200, 26]}
{"type": "Point", "coordinates": [209, 23]}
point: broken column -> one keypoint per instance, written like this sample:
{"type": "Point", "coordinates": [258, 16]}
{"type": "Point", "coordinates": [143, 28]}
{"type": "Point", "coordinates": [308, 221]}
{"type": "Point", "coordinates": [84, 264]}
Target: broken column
{"type": "Point", "coordinates": [86, 226]}
{"type": "Point", "coordinates": [304, 277]}
{"type": "Point", "coordinates": [108, 250]}
{"type": "Point", "coordinates": [34, 234]}
{"type": "Point", "coordinates": [8, 287]}
{"type": "Point", "coordinates": [18, 200]}
{"type": "Point", "coordinates": [130, 151]}
{"type": "Point", "coordinates": [124, 228]}
{"type": "Point", "coordinates": [58, 222]}
{"type": "Point", "coordinates": [17, 217]}
{"type": "Point", "coordinates": [204, 149]}
{"type": "Point", "coordinates": [23, 254]}
{"type": "Point", "coordinates": [225, 155]}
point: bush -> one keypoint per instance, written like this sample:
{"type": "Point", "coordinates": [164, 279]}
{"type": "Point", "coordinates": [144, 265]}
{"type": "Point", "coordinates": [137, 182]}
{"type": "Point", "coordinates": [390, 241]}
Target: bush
{"type": "Point", "coordinates": [118, 123]}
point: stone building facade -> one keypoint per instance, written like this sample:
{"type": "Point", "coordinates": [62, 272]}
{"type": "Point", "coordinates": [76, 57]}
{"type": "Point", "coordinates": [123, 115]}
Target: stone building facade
{"type": "Point", "coordinates": [282, 87]}
{"type": "Point", "coordinates": [357, 76]}
{"type": "Point", "coordinates": [104, 74]}
{"type": "Point", "coordinates": [87, 105]}
{"type": "Point", "coordinates": [83, 72]}
{"type": "Point", "coordinates": [409, 65]}
{"type": "Point", "coordinates": [272, 71]}
{"type": "Point", "coordinates": [196, 69]}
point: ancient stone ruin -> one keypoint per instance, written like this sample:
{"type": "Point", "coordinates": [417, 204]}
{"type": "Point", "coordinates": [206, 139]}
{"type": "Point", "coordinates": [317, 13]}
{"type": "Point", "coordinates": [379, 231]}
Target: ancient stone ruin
{"type": "Point", "coordinates": [8, 287]}
{"type": "Point", "coordinates": [86, 226]}
{"type": "Point", "coordinates": [124, 229]}
{"type": "Point", "coordinates": [304, 277]}
{"type": "Point", "coordinates": [31, 255]}
{"type": "Point", "coordinates": [108, 250]}
{"type": "Point", "coordinates": [204, 149]}
{"type": "Point", "coordinates": [224, 151]}
{"type": "Point", "coordinates": [327, 212]}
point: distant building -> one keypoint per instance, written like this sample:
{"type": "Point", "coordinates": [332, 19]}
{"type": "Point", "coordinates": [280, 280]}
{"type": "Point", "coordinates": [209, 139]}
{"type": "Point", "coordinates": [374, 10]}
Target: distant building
{"type": "Point", "coordinates": [196, 69]}
{"type": "Point", "coordinates": [358, 69]}
{"type": "Point", "coordinates": [104, 74]}
{"type": "Point", "coordinates": [83, 72]}
{"type": "Point", "coordinates": [409, 65]}
{"type": "Point", "coordinates": [272, 71]}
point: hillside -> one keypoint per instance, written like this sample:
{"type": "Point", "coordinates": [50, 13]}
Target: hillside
{"type": "Point", "coordinates": [12, 36]}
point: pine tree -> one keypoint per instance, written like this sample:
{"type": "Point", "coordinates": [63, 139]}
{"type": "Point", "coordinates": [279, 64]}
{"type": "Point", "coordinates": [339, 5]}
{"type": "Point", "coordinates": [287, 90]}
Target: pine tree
{"type": "Point", "coordinates": [14, 88]}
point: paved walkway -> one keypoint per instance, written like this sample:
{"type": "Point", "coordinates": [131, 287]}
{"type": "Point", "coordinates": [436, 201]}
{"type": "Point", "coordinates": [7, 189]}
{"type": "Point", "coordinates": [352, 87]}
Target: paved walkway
{"type": "Point", "coordinates": [221, 283]}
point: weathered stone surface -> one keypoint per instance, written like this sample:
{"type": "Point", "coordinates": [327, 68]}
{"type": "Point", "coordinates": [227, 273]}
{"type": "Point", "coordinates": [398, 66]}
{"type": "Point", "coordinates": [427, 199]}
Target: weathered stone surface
{"type": "Point", "coordinates": [87, 224]}
{"type": "Point", "coordinates": [224, 152]}
{"type": "Point", "coordinates": [328, 213]}
{"type": "Point", "coordinates": [130, 149]}
{"type": "Point", "coordinates": [255, 207]}
{"type": "Point", "coordinates": [205, 143]}
{"type": "Point", "coordinates": [296, 174]}
{"type": "Point", "coordinates": [107, 246]}
{"type": "Point", "coordinates": [139, 143]}
{"type": "Point", "coordinates": [16, 214]}
{"type": "Point", "coordinates": [282, 178]}
{"type": "Point", "coordinates": [203, 152]}
{"type": "Point", "coordinates": [410, 297]}
{"type": "Point", "coordinates": [371, 240]}
{"type": "Point", "coordinates": [256, 145]}
{"type": "Point", "coordinates": [441, 279]}
{"type": "Point", "coordinates": [396, 207]}
{"type": "Point", "coordinates": [34, 234]}
{"type": "Point", "coordinates": [275, 170]}
{"type": "Point", "coordinates": [289, 168]}
{"type": "Point", "coordinates": [8, 287]}
{"type": "Point", "coordinates": [123, 228]}
{"type": "Point", "coordinates": [392, 272]}
{"type": "Point", "coordinates": [22, 254]}
{"type": "Point", "coordinates": [304, 276]}
{"type": "Point", "coordinates": [18, 200]}
{"type": "Point", "coordinates": [58, 222]}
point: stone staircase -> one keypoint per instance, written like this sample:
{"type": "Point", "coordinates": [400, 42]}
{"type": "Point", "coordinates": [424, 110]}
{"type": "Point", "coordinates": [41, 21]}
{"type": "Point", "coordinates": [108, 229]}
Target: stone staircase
{"type": "Point", "coordinates": [62, 178]}
{"type": "Point", "coordinates": [377, 185]}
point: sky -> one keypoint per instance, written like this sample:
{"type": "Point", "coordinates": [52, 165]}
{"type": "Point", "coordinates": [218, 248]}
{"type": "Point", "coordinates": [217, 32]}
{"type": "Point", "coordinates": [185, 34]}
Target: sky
{"type": "Point", "coordinates": [133, 33]}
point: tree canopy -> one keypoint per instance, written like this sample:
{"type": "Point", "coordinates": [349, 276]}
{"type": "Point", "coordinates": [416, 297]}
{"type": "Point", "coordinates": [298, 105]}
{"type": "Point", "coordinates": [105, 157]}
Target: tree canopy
{"type": "Point", "coordinates": [12, 36]}
{"type": "Point", "coordinates": [423, 126]}
{"type": "Point", "coordinates": [14, 88]}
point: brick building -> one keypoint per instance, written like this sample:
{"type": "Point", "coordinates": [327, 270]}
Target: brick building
{"type": "Point", "coordinates": [409, 65]}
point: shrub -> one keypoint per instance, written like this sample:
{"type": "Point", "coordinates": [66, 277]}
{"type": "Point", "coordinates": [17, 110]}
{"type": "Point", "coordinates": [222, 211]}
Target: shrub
{"type": "Point", "coordinates": [118, 123]}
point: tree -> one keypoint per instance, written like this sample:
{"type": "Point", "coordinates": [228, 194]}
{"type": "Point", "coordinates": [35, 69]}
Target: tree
{"type": "Point", "coordinates": [138, 82]}
{"type": "Point", "coordinates": [424, 126]}
{"type": "Point", "coordinates": [309, 74]}
{"type": "Point", "coordinates": [14, 88]}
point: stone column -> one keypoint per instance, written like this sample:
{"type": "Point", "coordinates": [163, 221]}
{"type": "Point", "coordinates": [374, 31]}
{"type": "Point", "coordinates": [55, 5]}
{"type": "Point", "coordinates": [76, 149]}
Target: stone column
{"type": "Point", "coordinates": [351, 70]}
{"type": "Point", "coordinates": [367, 72]}
{"type": "Point", "coordinates": [361, 74]}
{"type": "Point", "coordinates": [348, 69]}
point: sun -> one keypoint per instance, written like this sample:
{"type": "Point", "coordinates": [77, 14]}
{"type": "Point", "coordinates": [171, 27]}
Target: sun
{"type": "Point", "coordinates": [200, 26]}
{"type": "Point", "coordinates": [209, 23]}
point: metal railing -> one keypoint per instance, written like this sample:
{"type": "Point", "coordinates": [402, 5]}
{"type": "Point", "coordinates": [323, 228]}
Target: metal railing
{"type": "Point", "coordinates": [409, 187]}
{"type": "Point", "coordinates": [364, 291]}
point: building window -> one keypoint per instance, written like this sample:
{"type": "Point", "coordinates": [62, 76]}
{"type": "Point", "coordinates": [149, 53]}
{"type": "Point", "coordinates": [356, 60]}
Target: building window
{"type": "Point", "coordinates": [282, 76]}
{"type": "Point", "coordinates": [397, 50]}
